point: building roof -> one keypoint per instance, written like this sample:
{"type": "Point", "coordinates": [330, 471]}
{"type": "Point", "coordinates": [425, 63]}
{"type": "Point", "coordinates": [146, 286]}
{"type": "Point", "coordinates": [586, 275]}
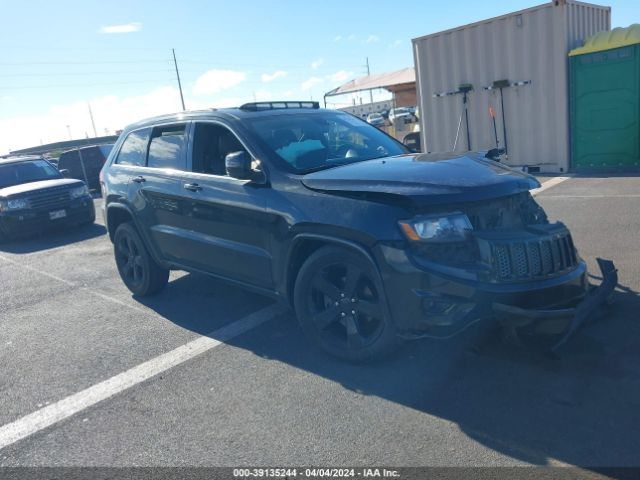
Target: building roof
{"type": "Point", "coordinates": [616, 38]}
{"type": "Point", "coordinates": [387, 80]}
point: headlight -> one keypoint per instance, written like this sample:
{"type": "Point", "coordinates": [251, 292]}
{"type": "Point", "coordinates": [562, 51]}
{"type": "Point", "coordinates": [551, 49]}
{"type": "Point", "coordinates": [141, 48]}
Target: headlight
{"type": "Point", "coordinates": [447, 227]}
{"type": "Point", "coordinates": [79, 192]}
{"type": "Point", "coordinates": [15, 204]}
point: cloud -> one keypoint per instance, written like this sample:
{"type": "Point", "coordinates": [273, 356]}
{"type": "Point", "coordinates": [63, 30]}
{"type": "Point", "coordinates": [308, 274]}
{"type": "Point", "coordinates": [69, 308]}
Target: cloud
{"type": "Point", "coordinates": [124, 28]}
{"type": "Point", "coordinates": [339, 76]}
{"type": "Point", "coordinates": [337, 38]}
{"type": "Point", "coordinates": [397, 43]}
{"type": "Point", "coordinates": [214, 81]}
{"type": "Point", "coordinates": [270, 77]}
{"type": "Point", "coordinates": [110, 112]}
{"type": "Point", "coordinates": [351, 37]}
{"type": "Point", "coordinates": [372, 39]}
{"type": "Point", "coordinates": [310, 82]}
{"type": "Point", "coordinates": [317, 63]}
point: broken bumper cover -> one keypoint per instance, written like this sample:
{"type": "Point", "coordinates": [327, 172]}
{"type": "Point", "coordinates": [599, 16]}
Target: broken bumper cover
{"type": "Point", "coordinates": [426, 302]}
{"type": "Point", "coordinates": [594, 300]}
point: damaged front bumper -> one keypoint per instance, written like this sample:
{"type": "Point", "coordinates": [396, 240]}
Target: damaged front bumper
{"type": "Point", "coordinates": [577, 315]}
{"type": "Point", "coordinates": [426, 302]}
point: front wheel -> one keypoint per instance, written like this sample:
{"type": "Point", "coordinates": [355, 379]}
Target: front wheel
{"type": "Point", "coordinates": [139, 272]}
{"type": "Point", "coordinates": [340, 304]}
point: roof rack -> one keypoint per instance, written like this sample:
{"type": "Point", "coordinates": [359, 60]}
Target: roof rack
{"type": "Point", "coordinates": [256, 106]}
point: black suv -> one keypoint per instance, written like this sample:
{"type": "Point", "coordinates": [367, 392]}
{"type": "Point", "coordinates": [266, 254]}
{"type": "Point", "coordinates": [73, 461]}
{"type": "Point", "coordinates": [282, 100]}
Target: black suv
{"type": "Point", "coordinates": [367, 242]}
{"type": "Point", "coordinates": [34, 196]}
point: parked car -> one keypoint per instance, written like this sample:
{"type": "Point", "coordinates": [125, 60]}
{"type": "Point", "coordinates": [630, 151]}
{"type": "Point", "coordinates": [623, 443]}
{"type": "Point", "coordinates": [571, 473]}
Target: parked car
{"type": "Point", "coordinates": [368, 243]}
{"type": "Point", "coordinates": [399, 116]}
{"type": "Point", "coordinates": [85, 163]}
{"type": "Point", "coordinates": [376, 119]}
{"type": "Point", "coordinates": [34, 196]}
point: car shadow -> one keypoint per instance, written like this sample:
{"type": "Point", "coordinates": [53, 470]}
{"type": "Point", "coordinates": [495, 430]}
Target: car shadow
{"type": "Point", "coordinates": [578, 408]}
{"type": "Point", "coordinates": [52, 239]}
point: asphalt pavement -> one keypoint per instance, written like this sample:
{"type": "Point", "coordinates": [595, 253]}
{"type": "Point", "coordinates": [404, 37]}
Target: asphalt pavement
{"type": "Point", "coordinates": [171, 380]}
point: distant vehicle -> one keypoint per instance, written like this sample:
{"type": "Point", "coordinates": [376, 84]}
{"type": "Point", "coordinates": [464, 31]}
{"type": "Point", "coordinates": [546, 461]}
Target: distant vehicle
{"type": "Point", "coordinates": [400, 116]}
{"type": "Point", "coordinates": [35, 196]}
{"type": "Point", "coordinates": [85, 164]}
{"type": "Point", "coordinates": [376, 119]}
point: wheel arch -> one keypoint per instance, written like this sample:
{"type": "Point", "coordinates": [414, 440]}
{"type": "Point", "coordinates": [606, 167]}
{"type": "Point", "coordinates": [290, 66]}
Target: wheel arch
{"type": "Point", "coordinates": [116, 215]}
{"type": "Point", "coordinates": [304, 245]}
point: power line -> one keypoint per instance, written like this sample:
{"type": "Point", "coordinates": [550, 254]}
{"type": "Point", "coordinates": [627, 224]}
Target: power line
{"type": "Point", "coordinates": [72, 74]}
{"type": "Point", "coordinates": [67, 85]}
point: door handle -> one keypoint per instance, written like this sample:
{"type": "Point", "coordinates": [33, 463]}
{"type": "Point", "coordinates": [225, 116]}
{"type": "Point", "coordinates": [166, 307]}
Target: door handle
{"type": "Point", "coordinates": [194, 187]}
{"type": "Point", "coordinates": [139, 179]}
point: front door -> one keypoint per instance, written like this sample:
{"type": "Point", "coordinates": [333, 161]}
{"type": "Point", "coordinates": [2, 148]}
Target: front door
{"type": "Point", "coordinates": [227, 222]}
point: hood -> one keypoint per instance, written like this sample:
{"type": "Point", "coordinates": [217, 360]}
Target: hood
{"type": "Point", "coordinates": [425, 178]}
{"type": "Point", "coordinates": [42, 185]}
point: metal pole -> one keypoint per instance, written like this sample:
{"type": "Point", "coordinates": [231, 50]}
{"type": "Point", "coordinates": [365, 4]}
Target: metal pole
{"type": "Point", "coordinates": [93, 124]}
{"type": "Point", "coordinates": [504, 124]}
{"type": "Point", "coordinates": [466, 116]}
{"type": "Point", "coordinates": [368, 75]}
{"type": "Point", "coordinates": [84, 171]}
{"type": "Point", "coordinates": [175, 63]}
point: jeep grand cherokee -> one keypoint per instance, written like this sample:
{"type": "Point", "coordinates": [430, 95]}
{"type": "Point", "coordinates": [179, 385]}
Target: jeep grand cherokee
{"type": "Point", "coordinates": [367, 242]}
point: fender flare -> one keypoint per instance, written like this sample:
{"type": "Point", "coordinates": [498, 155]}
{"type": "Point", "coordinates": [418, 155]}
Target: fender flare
{"type": "Point", "coordinates": [141, 231]}
{"type": "Point", "coordinates": [345, 243]}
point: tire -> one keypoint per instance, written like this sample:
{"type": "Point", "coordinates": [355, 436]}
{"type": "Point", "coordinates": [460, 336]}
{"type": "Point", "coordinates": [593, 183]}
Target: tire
{"type": "Point", "coordinates": [341, 306]}
{"type": "Point", "coordinates": [139, 272]}
{"type": "Point", "coordinates": [91, 220]}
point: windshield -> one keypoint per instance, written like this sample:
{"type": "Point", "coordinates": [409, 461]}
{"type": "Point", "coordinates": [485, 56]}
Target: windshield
{"type": "Point", "coordinates": [306, 142]}
{"type": "Point", "coordinates": [399, 111]}
{"type": "Point", "coordinates": [25, 172]}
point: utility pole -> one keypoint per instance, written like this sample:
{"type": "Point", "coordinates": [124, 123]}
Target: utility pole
{"type": "Point", "coordinates": [175, 63]}
{"type": "Point", "coordinates": [368, 75]}
{"type": "Point", "coordinates": [93, 124]}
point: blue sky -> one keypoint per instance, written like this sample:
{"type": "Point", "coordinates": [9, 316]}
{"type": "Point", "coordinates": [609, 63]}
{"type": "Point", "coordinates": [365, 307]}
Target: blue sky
{"type": "Point", "coordinates": [56, 57]}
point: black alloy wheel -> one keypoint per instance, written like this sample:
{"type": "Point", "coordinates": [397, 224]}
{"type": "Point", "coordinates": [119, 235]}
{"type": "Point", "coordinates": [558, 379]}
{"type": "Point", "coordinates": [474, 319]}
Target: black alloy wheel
{"type": "Point", "coordinates": [341, 305]}
{"type": "Point", "coordinates": [139, 272]}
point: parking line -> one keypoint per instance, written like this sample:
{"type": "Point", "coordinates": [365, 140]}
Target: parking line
{"type": "Point", "coordinates": [546, 185]}
{"type": "Point", "coordinates": [75, 285]}
{"type": "Point", "coordinates": [630, 195]}
{"type": "Point", "coordinates": [65, 408]}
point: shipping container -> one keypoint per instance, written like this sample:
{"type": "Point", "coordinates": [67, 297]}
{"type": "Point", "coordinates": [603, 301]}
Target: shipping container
{"type": "Point", "coordinates": [525, 52]}
{"type": "Point", "coordinates": [605, 101]}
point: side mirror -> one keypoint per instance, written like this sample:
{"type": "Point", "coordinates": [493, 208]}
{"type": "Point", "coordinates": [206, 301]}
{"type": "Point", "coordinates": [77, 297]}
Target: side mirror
{"type": "Point", "coordinates": [64, 172]}
{"type": "Point", "coordinates": [238, 165]}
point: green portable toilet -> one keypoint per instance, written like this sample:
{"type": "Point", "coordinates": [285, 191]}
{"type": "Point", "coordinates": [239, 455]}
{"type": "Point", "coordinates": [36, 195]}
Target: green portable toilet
{"type": "Point", "coordinates": [605, 101]}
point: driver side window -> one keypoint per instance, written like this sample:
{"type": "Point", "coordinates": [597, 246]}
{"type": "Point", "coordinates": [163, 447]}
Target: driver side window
{"type": "Point", "coordinates": [211, 144]}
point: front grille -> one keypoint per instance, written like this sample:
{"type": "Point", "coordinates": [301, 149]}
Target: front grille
{"type": "Point", "coordinates": [50, 199]}
{"type": "Point", "coordinates": [531, 258]}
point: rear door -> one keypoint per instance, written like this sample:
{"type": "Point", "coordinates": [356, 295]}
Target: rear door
{"type": "Point", "coordinates": [156, 193]}
{"type": "Point", "coordinates": [228, 226]}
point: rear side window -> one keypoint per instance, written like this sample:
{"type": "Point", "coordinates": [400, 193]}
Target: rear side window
{"type": "Point", "coordinates": [166, 149]}
{"type": "Point", "coordinates": [134, 148]}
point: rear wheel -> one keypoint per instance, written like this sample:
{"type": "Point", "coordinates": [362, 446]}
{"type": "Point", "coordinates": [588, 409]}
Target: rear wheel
{"type": "Point", "coordinates": [139, 272]}
{"type": "Point", "coordinates": [340, 304]}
